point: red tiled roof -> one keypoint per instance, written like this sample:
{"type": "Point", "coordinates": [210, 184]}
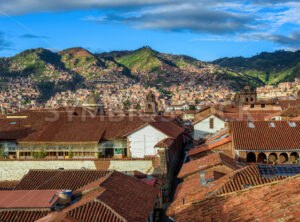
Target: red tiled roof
{"type": "Point", "coordinates": [202, 118]}
{"type": "Point", "coordinates": [165, 143]}
{"type": "Point", "coordinates": [291, 112]}
{"type": "Point", "coordinates": [124, 193]}
{"type": "Point", "coordinates": [95, 211]}
{"type": "Point", "coordinates": [245, 116]}
{"type": "Point", "coordinates": [265, 137]}
{"type": "Point", "coordinates": [272, 202]}
{"type": "Point", "coordinates": [207, 162]}
{"type": "Point", "coordinates": [22, 215]}
{"type": "Point", "coordinates": [248, 176]}
{"type": "Point", "coordinates": [113, 198]}
{"type": "Point", "coordinates": [59, 126]}
{"type": "Point", "coordinates": [8, 185]}
{"type": "Point", "coordinates": [194, 182]}
{"type": "Point", "coordinates": [64, 130]}
{"type": "Point", "coordinates": [206, 147]}
{"type": "Point", "coordinates": [59, 179]}
{"type": "Point", "coordinates": [27, 198]}
{"type": "Point", "coordinates": [296, 118]}
{"type": "Point", "coordinates": [287, 103]}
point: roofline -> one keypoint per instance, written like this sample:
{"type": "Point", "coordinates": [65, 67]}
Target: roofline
{"type": "Point", "coordinates": [53, 143]}
{"type": "Point", "coordinates": [268, 150]}
{"type": "Point", "coordinates": [211, 114]}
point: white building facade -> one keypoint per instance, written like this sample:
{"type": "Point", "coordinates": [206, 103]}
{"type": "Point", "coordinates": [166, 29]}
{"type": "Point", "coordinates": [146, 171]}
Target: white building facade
{"type": "Point", "coordinates": [207, 126]}
{"type": "Point", "coordinates": [142, 141]}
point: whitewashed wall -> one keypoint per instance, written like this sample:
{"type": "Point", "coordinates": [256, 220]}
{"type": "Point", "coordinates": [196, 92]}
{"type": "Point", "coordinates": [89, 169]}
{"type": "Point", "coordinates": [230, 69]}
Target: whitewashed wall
{"type": "Point", "coordinates": [142, 141]}
{"type": "Point", "coordinates": [202, 129]}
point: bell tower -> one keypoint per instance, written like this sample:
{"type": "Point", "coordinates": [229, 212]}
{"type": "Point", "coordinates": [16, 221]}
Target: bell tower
{"type": "Point", "coordinates": [151, 106]}
{"type": "Point", "coordinates": [248, 95]}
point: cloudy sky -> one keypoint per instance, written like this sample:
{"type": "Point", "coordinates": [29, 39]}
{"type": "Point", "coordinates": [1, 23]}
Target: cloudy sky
{"type": "Point", "coordinates": [205, 29]}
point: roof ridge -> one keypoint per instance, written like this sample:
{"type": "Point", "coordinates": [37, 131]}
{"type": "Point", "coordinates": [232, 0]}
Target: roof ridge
{"type": "Point", "coordinates": [115, 212]}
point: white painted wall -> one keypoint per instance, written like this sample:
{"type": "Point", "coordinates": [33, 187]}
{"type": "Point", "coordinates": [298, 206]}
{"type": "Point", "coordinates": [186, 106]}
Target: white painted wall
{"type": "Point", "coordinates": [202, 128]}
{"type": "Point", "coordinates": [142, 141]}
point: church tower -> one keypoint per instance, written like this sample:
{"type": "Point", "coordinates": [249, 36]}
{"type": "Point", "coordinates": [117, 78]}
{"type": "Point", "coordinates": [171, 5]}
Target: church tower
{"type": "Point", "coordinates": [247, 95]}
{"type": "Point", "coordinates": [94, 104]}
{"type": "Point", "coordinates": [151, 106]}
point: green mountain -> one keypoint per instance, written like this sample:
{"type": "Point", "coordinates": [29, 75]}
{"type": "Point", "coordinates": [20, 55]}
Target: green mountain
{"type": "Point", "coordinates": [270, 68]}
{"type": "Point", "coordinates": [77, 67]}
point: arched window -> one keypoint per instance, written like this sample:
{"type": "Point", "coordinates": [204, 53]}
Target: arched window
{"type": "Point", "coordinates": [251, 158]}
{"type": "Point", "coordinates": [294, 158]}
{"type": "Point", "coordinates": [262, 158]}
{"type": "Point", "coordinates": [283, 158]}
{"type": "Point", "coordinates": [272, 158]}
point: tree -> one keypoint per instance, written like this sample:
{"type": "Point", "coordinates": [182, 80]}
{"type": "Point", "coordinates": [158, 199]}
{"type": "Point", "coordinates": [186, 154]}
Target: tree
{"type": "Point", "coordinates": [71, 155]}
{"type": "Point", "coordinates": [138, 107]}
{"type": "Point", "coordinates": [42, 153]}
{"type": "Point", "coordinates": [1, 152]}
{"type": "Point", "coordinates": [126, 104]}
{"type": "Point", "coordinates": [192, 107]}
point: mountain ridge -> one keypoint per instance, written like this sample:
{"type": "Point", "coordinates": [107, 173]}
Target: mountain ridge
{"type": "Point", "coordinates": [269, 67]}
{"type": "Point", "coordinates": [75, 67]}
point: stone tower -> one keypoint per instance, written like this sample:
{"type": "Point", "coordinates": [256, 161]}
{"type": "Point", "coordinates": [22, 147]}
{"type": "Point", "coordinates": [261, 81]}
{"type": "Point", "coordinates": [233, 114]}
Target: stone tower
{"type": "Point", "coordinates": [94, 104]}
{"type": "Point", "coordinates": [151, 106]}
{"type": "Point", "coordinates": [247, 95]}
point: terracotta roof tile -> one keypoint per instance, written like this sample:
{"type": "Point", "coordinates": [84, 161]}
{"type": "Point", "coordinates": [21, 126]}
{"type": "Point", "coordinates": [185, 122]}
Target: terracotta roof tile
{"type": "Point", "coordinates": [113, 198]}
{"type": "Point", "coordinates": [95, 211]}
{"type": "Point", "coordinates": [165, 143]}
{"type": "Point", "coordinates": [262, 136]}
{"type": "Point", "coordinates": [272, 202]}
{"type": "Point", "coordinates": [124, 193]}
{"type": "Point", "coordinates": [50, 126]}
{"type": "Point", "coordinates": [8, 185]}
{"type": "Point", "coordinates": [27, 198]}
{"type": "Point", "coordinates": [59, 179]}
{"type": "Point", "coordinates": [209, 146]}
{"type": "Point", "coordinates": [241, 179]}
{"type": "Point", "coordinates": [207, 162]}
{"type": "Point", "coordinates": [22, 215]}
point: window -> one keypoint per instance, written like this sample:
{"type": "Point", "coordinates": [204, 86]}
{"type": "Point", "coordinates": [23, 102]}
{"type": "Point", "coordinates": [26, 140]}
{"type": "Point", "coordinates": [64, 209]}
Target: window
{"type": "Point", "coordinates": [252, 106]}
{"type": "Point", "coordinates": [263, 105]}
{"type": "Point", "coordinates": [251, 99]}
{"type": "Point", "coordinates": [211, 123]}
{"type": "Point", "coordinates": [247, 99]}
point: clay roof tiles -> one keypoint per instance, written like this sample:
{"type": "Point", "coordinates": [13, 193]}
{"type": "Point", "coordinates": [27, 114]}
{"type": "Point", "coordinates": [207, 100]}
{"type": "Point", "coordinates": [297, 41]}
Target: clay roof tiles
{"type": "Point", "coordinates": [95, 211]}
{"type": "Point", "coordinates": [27, 199]}
{"type": "Point", "coordinates": [114, 197]}
{"type": "Point", "coordinates": [22, 215]}
{"type": "Point", "coordinates": [59, 179]}
{"type": "Point", "coordinates": [262, 135]}
{"type": "Point", "coordinates": [62, 126]}
{"type": "Point", "coordinates": [273, 202]}
{"type": "Point", "coordinates": [206, 162]}
{"type": "Point", "coordinates": [246, 177]}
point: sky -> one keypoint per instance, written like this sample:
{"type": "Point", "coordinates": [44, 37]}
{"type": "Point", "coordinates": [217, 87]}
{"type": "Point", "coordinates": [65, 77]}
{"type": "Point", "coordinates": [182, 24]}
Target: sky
{"type": "Point", "coordinates": [204, 29]}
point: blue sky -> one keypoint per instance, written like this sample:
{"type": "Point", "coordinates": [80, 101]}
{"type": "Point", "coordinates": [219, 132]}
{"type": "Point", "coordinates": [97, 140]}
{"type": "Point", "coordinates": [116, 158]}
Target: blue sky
{"type": "Point", "coordinates": [206, 29]}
